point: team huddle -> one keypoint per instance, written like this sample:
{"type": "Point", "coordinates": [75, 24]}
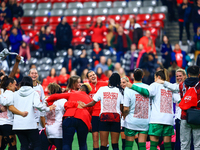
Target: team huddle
{"type": "Point", "coordinates": [137, 111]}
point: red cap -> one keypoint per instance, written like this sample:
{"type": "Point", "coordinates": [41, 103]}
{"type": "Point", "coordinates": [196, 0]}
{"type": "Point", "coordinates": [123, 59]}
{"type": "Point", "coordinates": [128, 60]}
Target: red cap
{"type": "Point", "coordinates": [14, 19]}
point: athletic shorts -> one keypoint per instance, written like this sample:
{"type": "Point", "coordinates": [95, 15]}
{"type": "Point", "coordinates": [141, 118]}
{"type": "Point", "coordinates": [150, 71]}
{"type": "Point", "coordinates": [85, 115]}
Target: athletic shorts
{"type": "Point", "coordinates": [122, 129]}
{"type": "Point", "coordinates": [95, 123]}
{"type": "Point", "coordinates": [6, 130]}
{"type": "Point", "coordinates": [161, 130]}
{"type": "Point", "coordinates": [129, 132]}
{"type": "Point", "coordinates": [109, 126]}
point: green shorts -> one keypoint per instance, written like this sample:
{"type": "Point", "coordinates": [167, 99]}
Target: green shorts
{"type": "Point", "coordinates": [161, 130]}
{"type": "Point", "coordinates": [129, 132]}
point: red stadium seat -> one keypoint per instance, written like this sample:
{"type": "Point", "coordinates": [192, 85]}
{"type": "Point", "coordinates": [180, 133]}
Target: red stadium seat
{"type": "Point", "coordinates": [33, 33]}
{"type": "Point", "coordinates": [56, 1]}
{"type": "Point", "coordinates": [158, 17]}
{"type": "Point", "coordinates": [55, 40]}
{"type": "Point", "coordinates": [53, 32]}
{"type": "Point", "coordinates": [143, 24]}
{"type": "Point", "coordinates": [54, 21]}
{"type": "Point", "coordinates": [126, 17]}
{"type": "Point", "coordinates": [76, 33]}
{"type": "Point", "coordinates": [37, 27]}
{"type": "Point", "coordinates": [53, 27]}
{"type": "Point", "coordinates": [143, 17]}
{"type": "Point", "coordinates": [27, 27]}
{"type": "Point", "coordinates": [29, 1]}
{"type": "Point", "coordinates": [42, 1]}
{"type": "Point", "coordinates": [117, 18]}
{"type": "Point", "coordinates": [70, 1]}
{"type": "Point", "coordinates": [78, 40]}
{"type": "Point", "coordinates": [71, 19]}
{"type": "Point", "coordinates": [156, 24]}
{"type": "Point", "coordinates": [41, 20]}
{"type": "Point", "coordinates": [26, 20]}
{"type": "Point", "coordinates": [83, 26]}
{"type": "Point", "coordinates": [103, 18]}
{"type": "Point", "coordinates": [84, 19]}
{"type": "Point", "coordinates": [19, 1]}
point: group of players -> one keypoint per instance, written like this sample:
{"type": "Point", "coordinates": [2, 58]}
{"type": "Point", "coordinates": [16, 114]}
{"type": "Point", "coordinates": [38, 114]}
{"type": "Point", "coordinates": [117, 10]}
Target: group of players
{"type": "Point", "coordinates": [135, 110]}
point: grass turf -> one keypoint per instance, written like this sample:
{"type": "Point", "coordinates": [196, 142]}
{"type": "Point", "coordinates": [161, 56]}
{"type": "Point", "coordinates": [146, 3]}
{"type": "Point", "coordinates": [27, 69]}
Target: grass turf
{"type": "Point", "coordinates": [89, 143]}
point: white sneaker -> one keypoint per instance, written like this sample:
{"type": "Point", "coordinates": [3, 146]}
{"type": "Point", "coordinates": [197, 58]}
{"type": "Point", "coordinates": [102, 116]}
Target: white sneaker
{"type": "Point", "coordinates": [189, 43]}
{"type": "Point", "coordinates": [180, 43]}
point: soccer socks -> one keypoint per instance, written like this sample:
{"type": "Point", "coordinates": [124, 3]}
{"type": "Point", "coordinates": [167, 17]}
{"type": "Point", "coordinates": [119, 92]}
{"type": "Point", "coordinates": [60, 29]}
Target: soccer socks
{"type": "Point", "coordinates": [142, 146]}
{"type": "Point", "coordinates": [153, 145]}
{"type": "Point", "coordinates": [95, 148]}
{"type": "Point", "coordinates": [123, 144]}
{"type": "Point", "coordinates": [168, 146]}
{"type": "Point", "coordinates": [129, 145]}
{"type": "Point", "coordinates": [115, 146]}
{"type": "Point", "coordinates": [103, 148]}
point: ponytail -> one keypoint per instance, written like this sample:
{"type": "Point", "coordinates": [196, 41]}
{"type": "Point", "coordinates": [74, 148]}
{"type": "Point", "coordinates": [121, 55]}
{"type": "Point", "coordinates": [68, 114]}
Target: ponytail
{"type": "Point", "coordinates": [163, 73]}
{"type": "Point", "coordinates": [6, 81]}
{"type": "Point", "coordinates": [115, 81]}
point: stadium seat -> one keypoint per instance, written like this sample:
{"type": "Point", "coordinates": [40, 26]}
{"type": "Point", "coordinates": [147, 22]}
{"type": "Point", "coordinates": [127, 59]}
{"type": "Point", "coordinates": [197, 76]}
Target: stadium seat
{"type": "Point", "coordinates": [85, 19]}
{"type": "Point", "coordinates": [119, 4]}
{"type": "Point", "coordinates": [37, 27]}
{"type": "Point", "coordinates": [42, 1]}
{"type": "Point", "coordinates": [71, 12]}
{"type": "Point", "coordinates": [131, 10]}
{"type": "Point", "coordinates": [70, 1]}
{"type": "Point", "coordinates": [56, 1]}
{"type": "Point", "coordinates": [117, 18]}
{"type": "Point", "coordinates": [76, 5]}
{"type": "Point", "coordinates": [29, 13]}
{"type": "Point", "coordinates": [31, 61]}
{"type": "Point", "coordinates": [56, 12]}
{"type": "Point", "coordinates": [29, 1]}
{"type": "Point", "coordinates": [149, 3]}
{"type": "Point", "coordinates": [44, 6]}
{"type": "Point", "coordinates": [76, 33]}
{"type": "Point", "coordinates": [159, 16]}
{"type": "Point", "coordinates": [156, 24]}
{"type": "Point", "coordinates": [105, 4]}
{"type": "Point", "coordinates": [35, 54]}
{"type": "Point", "coordinates": [58, 60]}
{"type": "Point", "coordinates": [134, 4]}
{"type": "Point", "coordinates": [143, 17]}
{"type": "Point", "coordinates": [53, 21]}
{"type": "Point", "coordinates": [29, 6]}
{"type": "Point", "coordinates": [46, 60]}
{"type": "Point", "coordinates": [116, 11]}
{"type": "Point", "coordinates": [126, 17]}
{"type": "Point", "coordinates": [161, 9]}
{"type": "Point", "coordinates": [90, 5]}
{"type": "Point", "coordinates": [26, 20]}
{"type": "Point", "coordinates": [78, 40]}
{"type": "Point", "coordinates": [85, 11]}
{"type": "Point", "coordinates": [62, 5]}
{"type": "Point", "coordinates": [42, 12]}
{"type": "Point", "coordinates": [27, 27]}
{"type": "Point", "coordinates": [41, 20]}
{"type": "Point", "coordinates": [61, 53]}
{"type": "Point", "coordinates": [71, 19]}
{"type": "Point", "coordinates": [146, 10]}
{"type": "Point", "coordinates": [57, 67]}
{"type": "Point", "coordinates": [103, 18]}
{"type": "Point", "coordinates": [19, 1]}
{"type": "Point", "coordinates": [101, 11]}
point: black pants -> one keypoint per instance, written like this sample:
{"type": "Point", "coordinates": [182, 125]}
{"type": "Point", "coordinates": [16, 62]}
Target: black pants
{"type": "Point", "coordinates": [57, 142]}
{"type": "Point", "coordinates": [6, 132]}
{"type": "Point", "coordinates": [178, 141]}
{"type": "Point", "coordinates": [27, 136]}
{"type": "Point", "coordinates": [187, 28]}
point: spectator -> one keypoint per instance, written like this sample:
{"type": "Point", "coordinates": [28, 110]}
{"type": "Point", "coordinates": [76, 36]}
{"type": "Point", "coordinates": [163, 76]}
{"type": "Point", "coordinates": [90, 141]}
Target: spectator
{"type": "Point", "coordinates": [100, 75]}
{"type": "Point", "coordinates": [4, 12]}
{"type": "Point", "coordinates": [18, 76]}
{"type": "Point", "coordinates": [73, 73]}
{"type": "Point", "coordinates": [122, 72]}
{"type": "Point", "coordinates": [18, 11]}
{"type": "Point", "coordinates": [96, 54]}
{"type": "Point", "coordinates": [26, 38]}
{"type": "Point", "coordinates": [7, 26]}
{"type": "Point", "coordinates": [166, 50]}
{"type": "Point", "coordinates": [98, 32]}
{"type": "Point", "coordinates": [108, 73]}
{"type": "Point", "coordinates": [144, 40]}
{"type": "Point", "coordinates": [141, 52]}
{"type": "Point", "coordinates": [15, 40]}
{"type": "Point", "coordinates": [198, 60]}
{"type": "Point", "coordinates": [24, 51]}
{"type": "Point", "coordinates": [129, 61]}
{"type": "Point", "coordinates": [112, 28]}
{"type": "Point", "coordinates": [41, 37]}
{"type": "Point", "coordinates": [3, 40]}
{"type": "Point", "coordinates": [69, 61]}
{"type": "Point", "coordinates": [197, 42]}
{"type": "Point", "coordinates": [172, 72]}
{"type": "Point", "coordinates": [17, 25]}
{"type": "Point", "coordinates": [11, 5]}
{"type": "Point", "coordinates": [117, 67]}
{"type": "Point", "coordinates": [102, 64]}
{"type": "Point", "coordinates": [110, 64]}
{"type": "Point", "coordinates": [196, 16]}
{"type": "Point", "coordinates": [151, 47]}
{"type": "Point", "coordinates": [63, 34]}
{"type": "Point", "coordinates": [135, 30]}
{"type": "Point", "coordinates": [84, 78]}
{"type": "Point", "coordinates": [121, 43]}
{"type": "Point", "coordinates": [83, 62]}
{"type": "Point", "coordinates": [180, 57]}
{"type": "Point", "coordinates": [52, 78]}
{"type": "Point", "coordinates": [49, 43]}
{"type": "Point", "coordinates": [63, 77]}
{"type": "Point", "coordinates": [185, 14]}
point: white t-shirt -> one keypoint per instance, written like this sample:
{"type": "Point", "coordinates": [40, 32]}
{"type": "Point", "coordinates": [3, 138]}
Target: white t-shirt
{"type": "Point", "coordinates": [162, 104]}
{"type": "Point", "coordinates": [139, 109]}
{"type": "Point", "coordinates": [110, 98]}
{"type": "Point", "coordinates": [7, 116]}
{"type": "Point", "coordinates": [54, 120]}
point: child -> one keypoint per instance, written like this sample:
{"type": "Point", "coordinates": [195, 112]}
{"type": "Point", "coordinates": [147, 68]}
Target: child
{"type": "Point", "coordinates": [24, 51]}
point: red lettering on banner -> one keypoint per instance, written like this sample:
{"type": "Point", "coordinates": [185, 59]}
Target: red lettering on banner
{"type": "Point", "coordinates": [141, 107]}
{"type": "Point", "coordinates": [4, 114]}
{"type": "Point", "coordinates": [166, 101]}
{"type": "Point", "coordinates": [110, 102]}
{"type": "Point", "coordinates": [51, 117]}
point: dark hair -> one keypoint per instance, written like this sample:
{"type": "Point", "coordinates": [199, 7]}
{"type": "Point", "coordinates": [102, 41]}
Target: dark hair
{"type": "Point", "coordinates": [6, 81]}
{"type": "Point", "coordinates": [88, 73]}
{"type": "Point", "coordinates": [54, 88]}
{"type": "Point", "coordinates": [25, 43]}
{"type": "Point", "coordinates": [31, 65]}
{"type": "Point", "coordinates": [168, 44]}
{"type": "Point", "coordinates": [193, 70]}
{"type": "Point", "coordinates": [138, 74]}
{"type": "Point", "coordinates": [163, 74]}
{"type": "Point", "coordinates": [26, 81]}
{"type": "Point", "coordinates": [115, 81]}
{"type": "Point", "coordinates": [86, 89]}
{"type": "Point", "coordinates": [50, 72]}
{"type": "Point", "coordinates": [1, 74]}
{"type": "Point", "coordinates": [101, 24]}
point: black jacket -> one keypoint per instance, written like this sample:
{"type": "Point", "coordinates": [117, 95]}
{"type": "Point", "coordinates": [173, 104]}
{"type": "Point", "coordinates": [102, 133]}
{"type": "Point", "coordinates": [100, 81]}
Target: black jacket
{"type": "Point", "coordinates": [18, 11]}
{"type": "Point", "coordinates": [66, 62]}
{"type": "Point", "coordinates": [196, 15]}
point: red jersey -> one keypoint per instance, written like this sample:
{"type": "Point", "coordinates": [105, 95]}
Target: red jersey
{"type": "Point", "coordinates": [71, 105]}
{"type": "Point", "coordinates": [97, 107]}
{"type": "Point", "coordinates": [51, 80]}
{"type": "Point", "coordinates": [98, 33]}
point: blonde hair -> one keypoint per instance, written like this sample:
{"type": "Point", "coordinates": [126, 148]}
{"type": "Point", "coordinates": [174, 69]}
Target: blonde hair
{"type": "Point", "coordinates": [125, 78]}
{"type": "Point", "coordinates": [182, 71]}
